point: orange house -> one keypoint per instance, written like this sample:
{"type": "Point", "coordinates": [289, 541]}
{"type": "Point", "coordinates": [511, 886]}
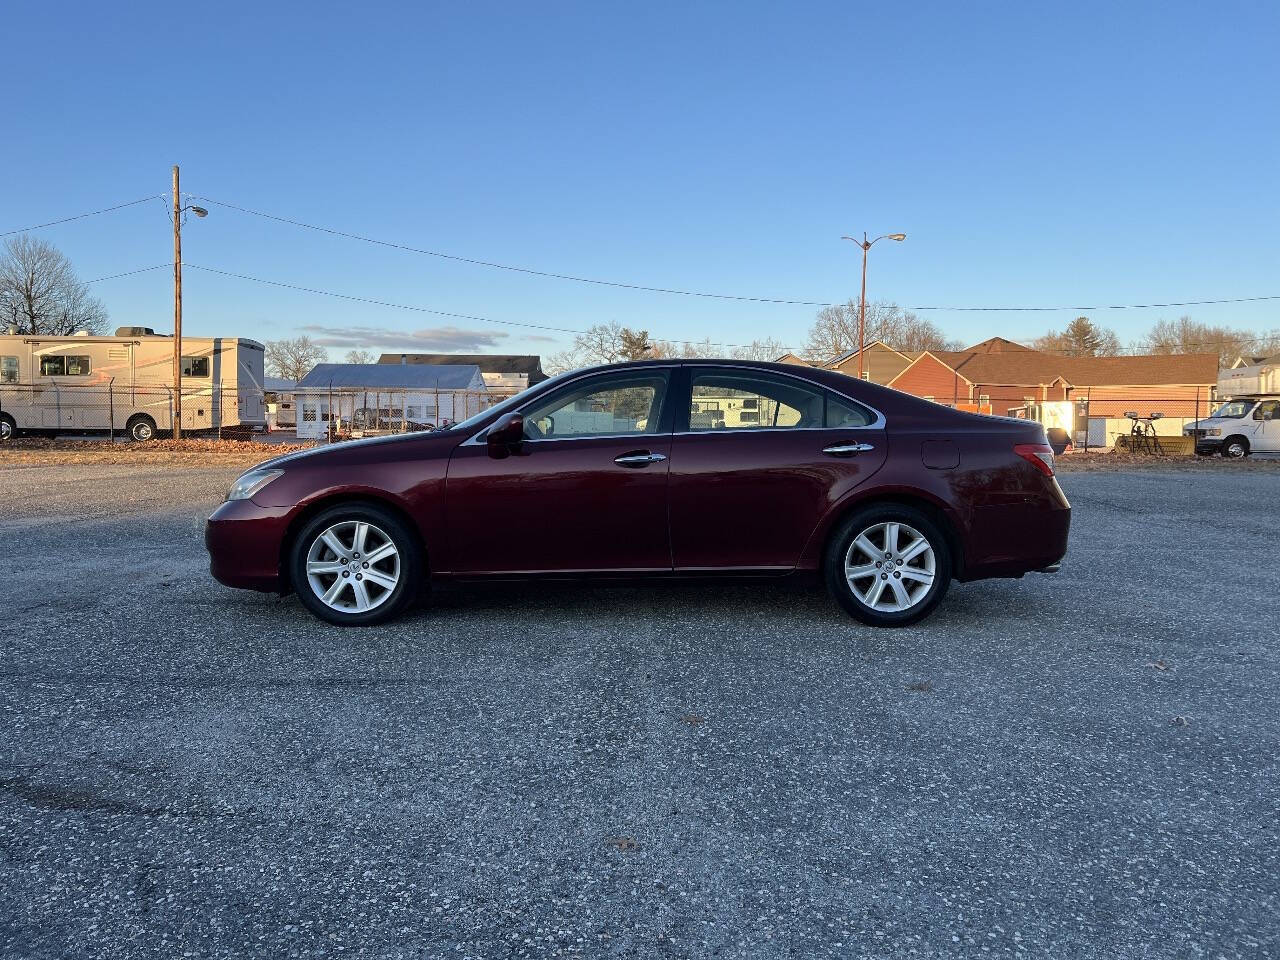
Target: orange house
{"type": "Point", "coordinates": [998, 375]}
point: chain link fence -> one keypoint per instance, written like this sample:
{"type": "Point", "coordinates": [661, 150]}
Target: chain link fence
{"type": "Point", "coordinates": [338, 413]}
{"type": "Point", "coordinates": [143, 412]}
{"type": "Point", "coordinates": [1134, 419]}
{"type": "Point", "coordinates": [139, 411]}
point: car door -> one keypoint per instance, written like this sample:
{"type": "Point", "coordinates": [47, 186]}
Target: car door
{"type": "Point", "coordinates": [757, 460]}
{"type": "Point", "coordinates": [586, 490]}
{"type": "Point", "coordinates": [1267, 436]}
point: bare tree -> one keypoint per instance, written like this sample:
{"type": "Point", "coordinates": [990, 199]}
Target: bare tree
{"type": "Point", "coordinates": [1081, 338]}
{"type": "Point", "coordinates": [359, 356]}
{"type": "Point", "coordinates": [41, 294]}
{"type": "Point", "coordinates": [603, 343]}
{"type": "Point", "coordinates": [766, 349]}
{"type": "Point", "coordinates": [835, 330]}
{"type": "Point", "coordinates": [293, 359]}
{"type": "Point", "coordinates": [1185, 335]}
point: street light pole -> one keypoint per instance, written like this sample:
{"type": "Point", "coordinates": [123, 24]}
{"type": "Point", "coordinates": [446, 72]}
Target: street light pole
{"type": "Point", "coordinates": [177, 307]}
{"type": "Point", "coordinates": [865, 244]}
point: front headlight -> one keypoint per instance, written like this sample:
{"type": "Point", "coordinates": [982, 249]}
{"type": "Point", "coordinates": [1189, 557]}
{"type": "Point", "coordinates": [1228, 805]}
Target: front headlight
{"type": "Point", "coordinates": [1215, 432]}
{"type": "Point", "coordinates": [250, 483]}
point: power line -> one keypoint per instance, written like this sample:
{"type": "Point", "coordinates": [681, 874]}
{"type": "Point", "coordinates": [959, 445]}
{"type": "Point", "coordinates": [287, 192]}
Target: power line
{"type": "Point", "coordinates": [130, 273]}
{"type": "Point", "coordinates": [506, 266]}
{"type": "Point", "coordinates": [418, 309]}
{"type": "Point", "coordinates": [716, 296]}
{"type": "Point", "coordinates": [535, 326]}
{"type": "Point", "coordinates": [81, 216]}
{"type": "Point", "coordinates": [1094, 309]}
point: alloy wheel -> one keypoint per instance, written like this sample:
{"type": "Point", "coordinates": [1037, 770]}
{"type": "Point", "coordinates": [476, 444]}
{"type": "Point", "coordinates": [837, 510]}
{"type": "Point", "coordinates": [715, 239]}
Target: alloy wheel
{"type": "Point", "coordinates": [890, 566]}
{"type": "Point", "coordinates": [353, 566]}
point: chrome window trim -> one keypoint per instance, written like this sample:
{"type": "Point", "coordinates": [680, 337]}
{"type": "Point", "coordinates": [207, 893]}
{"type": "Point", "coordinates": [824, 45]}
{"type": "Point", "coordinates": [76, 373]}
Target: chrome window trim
{"type": "Point", "coordinates": [877, 424]}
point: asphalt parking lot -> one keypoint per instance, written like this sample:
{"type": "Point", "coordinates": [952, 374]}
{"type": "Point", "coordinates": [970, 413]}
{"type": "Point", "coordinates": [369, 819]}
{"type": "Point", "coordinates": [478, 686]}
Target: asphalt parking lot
{"type": "Point", "coordinates": [1082, 765]}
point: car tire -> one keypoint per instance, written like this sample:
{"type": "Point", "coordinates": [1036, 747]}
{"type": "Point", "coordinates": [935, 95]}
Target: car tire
{"type": "Point", "coordinates": [334, 580]}
{"type": "Point", "coordinates": [860, 572]}
{"type": "Point", "coordinates": [1235, 448]}
{"type": "Point", "coordinates": [8, 427]}
{"type": "Point", "coordinates": [140, 428]}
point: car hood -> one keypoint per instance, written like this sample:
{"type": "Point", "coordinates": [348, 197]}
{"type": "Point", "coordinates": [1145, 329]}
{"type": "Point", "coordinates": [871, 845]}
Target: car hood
{"type": "Point", "coordinates": [442, 439]}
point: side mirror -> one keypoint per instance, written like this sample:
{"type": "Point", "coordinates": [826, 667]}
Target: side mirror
{"type": "Point", "coordinates": [505, 435]}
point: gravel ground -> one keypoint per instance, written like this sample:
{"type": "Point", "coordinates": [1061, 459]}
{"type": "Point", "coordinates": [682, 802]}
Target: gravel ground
{"type": "Point", "coordinates": [1074, 766]}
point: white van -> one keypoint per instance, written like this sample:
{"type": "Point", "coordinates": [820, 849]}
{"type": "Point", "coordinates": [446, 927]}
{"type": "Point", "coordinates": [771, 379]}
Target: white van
{"type": "Point", "coordinates": [124, 383]}
{"type": "Point", "coordinates": [1248, 422]}
{"type": "Point", "coordinates": [1239, 427]}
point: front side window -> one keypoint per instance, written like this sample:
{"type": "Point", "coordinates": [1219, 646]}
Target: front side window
{"type": "Point", "coordinates": [748, 400]}
{"type": "Point", "coordinates": [1267, 410]}
{"type": "Point", "coordinates": [64, 366]}
{"type": "Point", "coordinates": [195, 366]}
{"type": "Point", "coordinates": [8, 369]}
{"type": "Point", "coordinates": [601, 407]}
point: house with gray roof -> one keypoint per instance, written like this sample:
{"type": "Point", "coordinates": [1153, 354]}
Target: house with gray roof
{"type": "Point", "coordinates": [361, 399]}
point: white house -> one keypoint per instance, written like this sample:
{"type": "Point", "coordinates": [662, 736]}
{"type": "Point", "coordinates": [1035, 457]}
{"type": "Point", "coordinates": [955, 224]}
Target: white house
{"type": "Point", "coordinates": [363, 398]}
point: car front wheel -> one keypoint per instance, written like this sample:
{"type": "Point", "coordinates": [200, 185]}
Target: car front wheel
{"type": "Point", "coordinates": [1235, 448]}
{"type": "Point", "coordinates": [356, 565]}
{"type": "Point", "coordinates": [888, 565]}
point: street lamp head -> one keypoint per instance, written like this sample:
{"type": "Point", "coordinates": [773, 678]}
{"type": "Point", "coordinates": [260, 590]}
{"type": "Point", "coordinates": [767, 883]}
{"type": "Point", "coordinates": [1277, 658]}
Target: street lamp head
{"type": "Point", "coordinates": [200, 211]}
{"type": "Point", "coordinates": [897, 236]}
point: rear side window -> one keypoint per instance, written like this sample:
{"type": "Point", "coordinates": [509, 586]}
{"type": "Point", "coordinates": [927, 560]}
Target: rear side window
{"type": "Point", "coordinates": [747, 400]}
{"type": "Point", "coordinates": [195, 366]}
{"type": "Point", "coordinates": [64, 366]}
{"type": "Point", "coordinates": [8, 369]}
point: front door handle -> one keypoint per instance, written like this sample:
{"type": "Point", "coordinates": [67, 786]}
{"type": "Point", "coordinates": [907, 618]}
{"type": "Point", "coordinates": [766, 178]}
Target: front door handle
{"type": "Point", "coordinates": [847, 449]}
{"type": "Point", "coordinates": [641, 458]}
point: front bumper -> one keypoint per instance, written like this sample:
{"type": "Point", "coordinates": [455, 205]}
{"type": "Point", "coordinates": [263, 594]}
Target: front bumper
{"type": "Point", "coordinates": [244, 541]}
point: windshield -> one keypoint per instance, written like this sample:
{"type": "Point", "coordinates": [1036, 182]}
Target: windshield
{"type": "Point", "coordinates": [1234, 409]}
{"type": "Point", "coordinates": [506, 404]}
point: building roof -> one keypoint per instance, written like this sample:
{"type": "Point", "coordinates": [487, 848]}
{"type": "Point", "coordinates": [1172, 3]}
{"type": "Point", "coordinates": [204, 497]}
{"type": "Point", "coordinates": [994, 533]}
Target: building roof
{"type": "Point", "coordinates": [278, 384]}
{"type": "Point", "coordinates": [487, 362]}
{"type": "Point", "coordinates": [997, 345]}
{"type": "Point", "coordinates": [398, 376]}
{"type": "Point", "coordinates": [1019, 366]}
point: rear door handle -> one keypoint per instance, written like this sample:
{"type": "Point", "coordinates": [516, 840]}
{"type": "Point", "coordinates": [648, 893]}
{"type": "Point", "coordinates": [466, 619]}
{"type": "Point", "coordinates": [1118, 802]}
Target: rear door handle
{"type": "Point", "coordinates": [847, 449]}
{"type": "Point", "coordinates": [641, 458]}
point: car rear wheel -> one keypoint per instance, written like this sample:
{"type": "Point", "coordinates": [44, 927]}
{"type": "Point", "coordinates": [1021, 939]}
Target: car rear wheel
{"type": "Point", "coordinates": [356, 565]}
{"type": "Point", "coordinates": [8, 427]}
{"type": "Point", "coordinates": [888, 565]}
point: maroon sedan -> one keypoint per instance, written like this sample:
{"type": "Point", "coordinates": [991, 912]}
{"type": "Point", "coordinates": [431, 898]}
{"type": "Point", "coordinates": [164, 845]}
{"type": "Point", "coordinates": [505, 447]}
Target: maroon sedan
{"type": "Point", "coordinates": [664, 468]}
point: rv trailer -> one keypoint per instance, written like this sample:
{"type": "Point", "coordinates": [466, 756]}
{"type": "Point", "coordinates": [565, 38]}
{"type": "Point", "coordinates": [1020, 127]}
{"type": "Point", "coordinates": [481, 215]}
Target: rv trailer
{"type": "Point", "coordinates": [124, 383]}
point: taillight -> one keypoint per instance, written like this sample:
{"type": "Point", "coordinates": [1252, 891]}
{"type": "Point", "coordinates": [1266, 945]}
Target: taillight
{"type": "Point", "coordinates": [1039, 455]}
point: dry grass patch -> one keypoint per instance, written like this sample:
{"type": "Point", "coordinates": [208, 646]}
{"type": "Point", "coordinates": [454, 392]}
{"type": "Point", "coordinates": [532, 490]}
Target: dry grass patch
{"type": "Point", "coordinates": [191, 453]}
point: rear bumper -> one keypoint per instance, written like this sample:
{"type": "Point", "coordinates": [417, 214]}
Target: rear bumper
{"type": "Point", "coordinates": [244, 542]}
{"type": "Point", "coordinates": [1011, 540]}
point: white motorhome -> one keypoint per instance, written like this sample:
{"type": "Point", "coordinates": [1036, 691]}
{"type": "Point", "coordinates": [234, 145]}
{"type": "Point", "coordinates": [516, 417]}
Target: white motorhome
{"type": "Point", "coordinates": [124, 383]}
{"type": "Point", "coordinates": [1249, 421]}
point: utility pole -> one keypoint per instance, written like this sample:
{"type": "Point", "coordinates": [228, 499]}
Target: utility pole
{"type": "Point", "coordinates": [177, 307]}
{"type": "Point", "coordinates": [865, 244]}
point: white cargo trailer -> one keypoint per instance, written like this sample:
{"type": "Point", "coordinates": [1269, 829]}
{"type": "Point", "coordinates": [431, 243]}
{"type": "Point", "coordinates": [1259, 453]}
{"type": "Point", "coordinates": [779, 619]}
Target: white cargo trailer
{"type": "Point", "coordinates": [124, 383]}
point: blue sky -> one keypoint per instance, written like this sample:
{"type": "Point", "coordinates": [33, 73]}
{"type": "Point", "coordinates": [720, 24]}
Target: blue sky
{"type": "Point", "coordinates": [1034, 155]}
